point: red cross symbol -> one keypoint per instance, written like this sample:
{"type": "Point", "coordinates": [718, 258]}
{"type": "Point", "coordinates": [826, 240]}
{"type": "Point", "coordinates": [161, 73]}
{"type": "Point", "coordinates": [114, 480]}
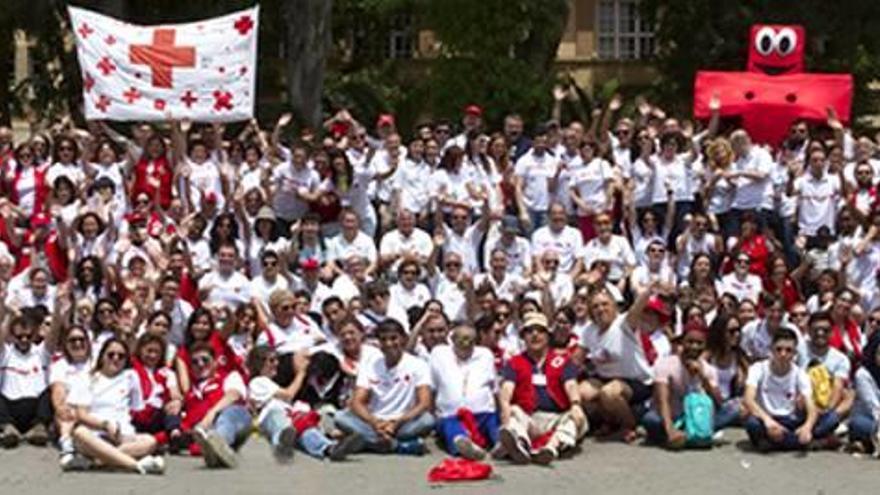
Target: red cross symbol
{"type": "Point", "coordinates": [244, 24]}
{"type": "Point", "coordinates": [88, 82]}
{"type": "Point", "coordinates": [102, 103]}
{"type": "Point", "coordinates": [131, 95]}
{"type": "Point", "coordinates": [188, 99]}
{"type": "Point", "coordinates": [110, 39]}
{"type": "Point", "coordinates": [222, 99]}
{"type": "Point", "coordinates": [162, 56]}
{"type": "Point", "coordinates": [85, 30]}
{"type": "Point", "coordinates": [159, 104]}
{"type": "Point", "coordinates": [106, 66]}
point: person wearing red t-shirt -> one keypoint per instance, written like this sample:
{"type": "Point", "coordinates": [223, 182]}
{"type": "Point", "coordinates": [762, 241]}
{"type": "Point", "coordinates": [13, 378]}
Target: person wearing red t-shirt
{"type": "Point", "coordinates": [215, 409]}
{"type": "Point", "coordinates": [153, 173]}
{"type": "Point", "coordinates": [540, 405]}
{"type": "Point", "coordinates": [43, 245]}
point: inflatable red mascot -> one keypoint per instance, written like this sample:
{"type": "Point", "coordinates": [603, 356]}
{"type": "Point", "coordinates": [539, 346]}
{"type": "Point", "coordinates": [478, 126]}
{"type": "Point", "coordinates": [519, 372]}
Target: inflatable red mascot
{"type": "Point", "coordinates": [774, 91]}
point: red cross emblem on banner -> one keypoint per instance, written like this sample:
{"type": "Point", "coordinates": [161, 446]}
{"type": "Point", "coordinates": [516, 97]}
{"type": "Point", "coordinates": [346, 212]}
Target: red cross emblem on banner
{"type": "Point", "coordinates": [162, 56]}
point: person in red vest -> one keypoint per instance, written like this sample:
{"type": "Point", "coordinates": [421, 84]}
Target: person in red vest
{"type": "Point", "coordinates": [46, 246]}
{"type": "Point", "coordinates": [215, 409]}
{"type": "Point", "coordinates": [846, 336]}
{"type": "Point", "coordinates": [539, 402]}
{"type": "Point", "coordinates": [154, 173]}
{"type": "Point", "coordinates": [160, 416]}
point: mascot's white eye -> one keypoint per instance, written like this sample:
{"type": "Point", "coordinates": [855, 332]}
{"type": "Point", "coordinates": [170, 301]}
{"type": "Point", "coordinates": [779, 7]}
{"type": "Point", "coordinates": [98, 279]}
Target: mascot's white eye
{"type": "Point", "coordinates": [786, 41]}
{"type": "Point", "coordinates": [765, 40]}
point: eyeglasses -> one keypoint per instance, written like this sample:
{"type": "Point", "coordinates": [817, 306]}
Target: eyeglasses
{"type": "Point", "coordinates": [821, 329]}
{"type": "Point", "coordinates": [287, 307]}
{"type": "Point", "coordinates": [142, 202]}
{"type": "Point", "coordinates": [465, 340]}
{"type": "Point", "coordinates": [657, 250]}
{"type": "Point", "coordinates": [116, 355]}
{"type": "Point", "coordinates": [452, 263]}
{"type": "Point", "coordinates": [783, 349]}
{"type": "Point", "coordinates": [621, 132]}
{"type": "Point", "coordinates": [76, 340]}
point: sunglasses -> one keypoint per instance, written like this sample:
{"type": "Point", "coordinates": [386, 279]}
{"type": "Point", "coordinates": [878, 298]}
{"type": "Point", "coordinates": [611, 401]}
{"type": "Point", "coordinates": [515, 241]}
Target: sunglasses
{"type": "Point", "coordinates": [287, 307]}
{"type": "Point", "coordinates": [783, 350]}
{"type": "Point", "coordinates": [452, 263]}
{"type": "Point", "coordinates": [116, 356]}
{"type": "Point", "coordinates": [734, 330]}
{"type": "Point", "coordinates": [742, 262]}
{"type": "Point", "coordinates": [76, 340]}
{"type": "Point", "coordinates": [657, 250]}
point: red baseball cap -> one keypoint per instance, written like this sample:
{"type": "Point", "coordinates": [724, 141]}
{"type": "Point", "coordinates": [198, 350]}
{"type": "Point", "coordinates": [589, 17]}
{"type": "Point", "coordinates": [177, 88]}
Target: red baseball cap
{"type": "Point", "coordinates": [657, 305]}
{"type": "Point", "coordinates": [136, 217]}
{"type": "Point", "coordinates": [474, 110]}
{"type": "Point", "coordinates": [211, 197]}
{"type": "Point", "coordinates": [385, 119]}
{"type": "Point", "coordinates": [309, 264]}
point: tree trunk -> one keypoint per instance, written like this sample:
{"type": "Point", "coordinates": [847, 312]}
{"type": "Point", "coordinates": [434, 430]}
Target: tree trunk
{"type": "Point", "coordinates": [7, 72]}
{"type": "Point", "coordinates": [549, 18]}
{"type": "Point", "coordinates": [307, 24]}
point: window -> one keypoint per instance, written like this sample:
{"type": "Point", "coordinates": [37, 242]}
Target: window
{"type": "Point", "coordinates": [400, 37]}
{"type": "Point", "coordinates": [623, 35]}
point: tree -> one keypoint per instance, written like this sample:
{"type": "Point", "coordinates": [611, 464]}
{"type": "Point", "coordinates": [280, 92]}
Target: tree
{"type": "Point", "coordinates": [695, 34]}
{"type": "Point", "coordinates": [307, 34]}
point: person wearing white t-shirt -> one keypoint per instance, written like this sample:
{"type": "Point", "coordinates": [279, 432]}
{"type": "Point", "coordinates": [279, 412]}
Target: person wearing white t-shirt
{"type": "Point", "coordinates": [225, 285]}
{"type": "Point", "coordinates": [505, 284]}
{"type": "Point", "coordinates": [465, 380]}
{"type": "Point", "coordinates": [69, 371]}
{"type": "Point", "coordinates": [350, 242]}
{"type": "Point", "coordinates": [590, 188]}
{"type": "Point", "coordinates": [103, 411]}
{"type": "Point", "coordinates": [464, 239]}
{"type": "Point", "coordinates": [818, 194]}
{"type": "Point", "coordinates": [774, 389]}
{"type": "Point", "coordinates": [505, 236]}
{"type": "Point", "coordinates": [293, 185]}
{"type": "Point", "coordinates": [284, 421]}
{"type": "Point", "coordinates": [611, 248]}
{"type": "Point", "coordinates": [406, 241]}
{"type": "Point", "coordinates": [289, 332]}
{"type": "Point", "coordinates": [532, 175]}
{"type": "Point", "coordinates": [842, 396]}
{"type": "Point", "coordinates": [657, 269]}
{"type": "Point", "coordinates": [558, 236]}
{"type": "Point", "coordinates": [742, 284]}
{"type": "Point", "coordinates": [391, 405]}
{"type": "Point", "coordinates": [408, 292]}
{"type": "Point", "coordinates": [25, 410]}
{"type": "Point", "coordinates": [750, 174]}
{"type": "Point", "coordinates": [757, 335]}
{"type": "Point", "coordinates": [269, 280]}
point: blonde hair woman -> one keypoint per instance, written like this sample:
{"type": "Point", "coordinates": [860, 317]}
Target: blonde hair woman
{"type": "Point", "coordinates": [718, 192]}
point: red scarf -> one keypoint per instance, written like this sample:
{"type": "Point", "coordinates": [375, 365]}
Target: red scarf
{"type": "Point", "coordinates": [41, 191]}
{"type": "Point", "coordinates": [55, 256]}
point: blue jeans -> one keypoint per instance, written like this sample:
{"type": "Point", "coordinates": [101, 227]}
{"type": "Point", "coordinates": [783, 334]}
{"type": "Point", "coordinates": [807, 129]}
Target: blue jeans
{"type": "Point", "coordinates": [727, 414]}
{"type": "Point", "coordinates": [825, 425]}
{"type": "Point", "coordinates": [654, 428]}
{"type": "Point", "coordinates": [349, 422]}
{"type": "Point", "coordinates": [312, 441]}
{"type": "Point", "coordinates": [862, 427]}
{"type": "Point", "coordinates": [233, 425]}
{"type": "Point", "coordinates": [450, 427]}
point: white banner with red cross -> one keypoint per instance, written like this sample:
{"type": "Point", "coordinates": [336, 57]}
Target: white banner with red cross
{"type": "Point", "coordinates": [204, 70]}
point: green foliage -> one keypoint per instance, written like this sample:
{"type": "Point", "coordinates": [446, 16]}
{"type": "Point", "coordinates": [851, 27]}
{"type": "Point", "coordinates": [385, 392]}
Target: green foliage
{"type": "Point", "coordinates": [695, 34]}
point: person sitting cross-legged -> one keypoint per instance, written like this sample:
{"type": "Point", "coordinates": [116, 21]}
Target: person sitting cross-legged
{"type": "Point", "coordinates": [464, 378]}
{"type": "Point", "coordinates": [391, 404]}
{"type": "Point", "coordinates": [675, 376]}
{"type": "Point", "coordinates": [775, 388]}
{"type": "Point", "coordinates": [540, 405]}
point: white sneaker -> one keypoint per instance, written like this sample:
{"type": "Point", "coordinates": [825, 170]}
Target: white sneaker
{"type": "Point", "coordinates": [151, 464]}
{"type": "Point", "coordinates": [70, 461]}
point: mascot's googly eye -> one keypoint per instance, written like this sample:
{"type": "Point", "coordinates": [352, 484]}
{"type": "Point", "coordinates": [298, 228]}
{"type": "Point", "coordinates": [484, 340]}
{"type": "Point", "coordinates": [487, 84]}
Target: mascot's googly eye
{"type": "Point", "coordinates": [786, 41]}
{"type": "Point", "coordinates": [765, 40]}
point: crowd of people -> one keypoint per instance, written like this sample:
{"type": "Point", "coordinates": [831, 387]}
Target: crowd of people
{"type": "Point", "coordinates": [169, 289]}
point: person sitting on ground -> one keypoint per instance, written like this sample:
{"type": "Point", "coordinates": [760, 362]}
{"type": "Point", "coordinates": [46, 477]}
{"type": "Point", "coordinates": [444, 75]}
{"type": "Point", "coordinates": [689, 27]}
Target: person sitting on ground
{"type": "Point", "coordinates": [539, 402]}
{"type": "Point", "coordinates": [104, 433]}
{"type": "Point", "coordinates": [214, 409]}
{"type": "Point", "coordinates": [391, 404]}
{"type": "Point", "coordinates": [69, 370]}
{"type": "Point", "coordinates": [25, 408]}
{"type": "Point", "coordinates": [835, 402]}
{"type": "Point", "coordinates": [160, 416]}
{"type": "Point", "coordinates": [863, 422]}
{"type": "Point", "coordinates": [464, 378]}
{"type": "Point", "coordinates": [286, 422]}
{"type": "Point", "coordinates": [779, 399]}
{"type": "Point", "coordinates": [675, 376]}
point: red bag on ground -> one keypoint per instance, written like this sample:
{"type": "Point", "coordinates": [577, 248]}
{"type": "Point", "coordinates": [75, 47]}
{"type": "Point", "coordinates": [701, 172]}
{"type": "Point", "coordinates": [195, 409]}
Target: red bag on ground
{"type": "Point", "coordinates": [458, 469]}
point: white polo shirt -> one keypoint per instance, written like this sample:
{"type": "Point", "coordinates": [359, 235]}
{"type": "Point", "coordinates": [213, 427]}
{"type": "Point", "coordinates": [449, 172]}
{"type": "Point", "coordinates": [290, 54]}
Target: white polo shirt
{"type": "Point", "coordinates": [469, 383]}
{"type": "Point", "coordinates": [233, 290]}
{"type": "Point", "coordinates": [393, 390]}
